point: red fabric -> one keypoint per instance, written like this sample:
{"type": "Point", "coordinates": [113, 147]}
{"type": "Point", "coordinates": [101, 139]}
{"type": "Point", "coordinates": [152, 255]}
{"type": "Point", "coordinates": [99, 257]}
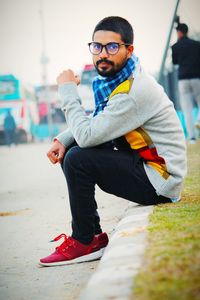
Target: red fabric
{"type": "Point", "coordinates": [151, 155]}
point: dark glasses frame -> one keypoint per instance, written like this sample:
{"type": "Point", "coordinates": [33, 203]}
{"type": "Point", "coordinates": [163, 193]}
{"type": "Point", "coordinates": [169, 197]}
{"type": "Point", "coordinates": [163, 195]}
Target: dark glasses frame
{"type": "Point", "coordinates": [106, 46]}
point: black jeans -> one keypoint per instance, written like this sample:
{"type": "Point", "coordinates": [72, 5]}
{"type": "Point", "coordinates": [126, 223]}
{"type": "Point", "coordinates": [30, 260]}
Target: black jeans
{"type": "Point", "coordinates": [115, 171]}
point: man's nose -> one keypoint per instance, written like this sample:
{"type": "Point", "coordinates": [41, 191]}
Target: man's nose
{"type": "Point", "coordinates": [104, 53]}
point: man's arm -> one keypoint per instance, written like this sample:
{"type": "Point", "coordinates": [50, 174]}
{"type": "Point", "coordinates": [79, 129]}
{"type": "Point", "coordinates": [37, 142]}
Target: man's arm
{"type": "Point", "coordinates": [123, 113]}
{"type": "Point", "coordinates": [174, 56]}
{"type": "Point", "coordinates": [118, 118]}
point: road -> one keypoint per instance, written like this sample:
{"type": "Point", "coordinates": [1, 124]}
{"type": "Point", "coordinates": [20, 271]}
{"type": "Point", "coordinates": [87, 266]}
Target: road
{"type": "Point", "coordinates": [34, 209]}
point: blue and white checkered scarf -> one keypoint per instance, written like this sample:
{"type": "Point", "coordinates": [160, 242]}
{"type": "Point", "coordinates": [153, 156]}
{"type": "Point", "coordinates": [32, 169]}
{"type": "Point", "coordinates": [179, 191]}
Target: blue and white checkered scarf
{"type": "Point", "coordinates": [104, 86]}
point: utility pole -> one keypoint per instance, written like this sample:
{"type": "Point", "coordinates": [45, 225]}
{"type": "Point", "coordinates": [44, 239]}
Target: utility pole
{"type": "Point", "coordinates": [174, 18]}
{"type": "Point", "coordinates": [44, 60]}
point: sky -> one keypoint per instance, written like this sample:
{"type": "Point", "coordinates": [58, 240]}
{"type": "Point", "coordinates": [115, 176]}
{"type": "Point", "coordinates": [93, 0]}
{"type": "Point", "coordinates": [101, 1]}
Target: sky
{"type": "Point", "coordinates": [68, 27]}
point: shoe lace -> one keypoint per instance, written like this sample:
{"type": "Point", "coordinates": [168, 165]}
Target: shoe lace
{"type": "Point", "coordinates": [68, 242]}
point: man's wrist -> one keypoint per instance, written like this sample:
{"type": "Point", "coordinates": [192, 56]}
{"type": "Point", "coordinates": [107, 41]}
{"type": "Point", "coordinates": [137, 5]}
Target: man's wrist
{"type": "Point", "coordinates": [56, 140]}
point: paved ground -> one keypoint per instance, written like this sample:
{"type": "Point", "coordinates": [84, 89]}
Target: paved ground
{"type": "Point", "coordinates": [34, 209]}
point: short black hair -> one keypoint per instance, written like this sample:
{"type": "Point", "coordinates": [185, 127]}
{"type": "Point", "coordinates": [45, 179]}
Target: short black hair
{"type": "Point", "coordinates": [182, 28]}
{"type": "Point", "coordinates": [118, 25]}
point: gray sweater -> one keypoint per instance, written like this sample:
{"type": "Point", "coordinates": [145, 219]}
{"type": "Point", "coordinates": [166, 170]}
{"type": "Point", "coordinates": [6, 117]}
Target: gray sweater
{"type": "Point", "coordinates": [145, 109]}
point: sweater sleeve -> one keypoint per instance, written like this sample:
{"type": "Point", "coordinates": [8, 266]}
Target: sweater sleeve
{"type": "Point", "coordinates": [65, 137]}
{"type": "Point", "coordinates": [118, 117]}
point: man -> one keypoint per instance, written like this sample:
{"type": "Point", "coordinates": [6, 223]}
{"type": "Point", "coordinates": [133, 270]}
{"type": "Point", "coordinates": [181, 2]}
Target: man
{"type": "Point", "coordinates": [133, 145]}
{"type": "Point", "coordinates": [186, 54]}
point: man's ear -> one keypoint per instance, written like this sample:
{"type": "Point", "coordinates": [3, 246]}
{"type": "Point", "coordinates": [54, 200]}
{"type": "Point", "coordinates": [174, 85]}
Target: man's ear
{"type": "Point", "coordinates": [130, 50]}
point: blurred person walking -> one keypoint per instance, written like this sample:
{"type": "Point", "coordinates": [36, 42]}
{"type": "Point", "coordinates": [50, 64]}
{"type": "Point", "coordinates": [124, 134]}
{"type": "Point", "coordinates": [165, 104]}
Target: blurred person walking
{"type": "Point", "coordinates": [132, 145]}
{"type": "Point", "coordinates": [10, 129]}
{"type": "Point", "coordinates": [186, 54]}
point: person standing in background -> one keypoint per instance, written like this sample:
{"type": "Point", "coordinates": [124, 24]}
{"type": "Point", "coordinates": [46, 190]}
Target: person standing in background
{"type": "Point", "coordinates": [186, 54]}
{"type": "Point", "coordinates": [10, 129]}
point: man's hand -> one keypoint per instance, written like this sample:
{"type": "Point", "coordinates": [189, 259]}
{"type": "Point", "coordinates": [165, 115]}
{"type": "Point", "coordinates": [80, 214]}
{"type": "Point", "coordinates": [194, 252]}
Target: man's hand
{"type": "Point", "coordinates": [67, 76]}
{"type": "Point", "coordinates": [56, 153]}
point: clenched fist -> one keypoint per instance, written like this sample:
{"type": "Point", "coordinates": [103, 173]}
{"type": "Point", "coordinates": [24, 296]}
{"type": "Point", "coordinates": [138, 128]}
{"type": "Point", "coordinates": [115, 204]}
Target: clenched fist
{"type": "Point", "coordinates": [67, 76]}
{"type": "Point", "coordinates": [56, 152]}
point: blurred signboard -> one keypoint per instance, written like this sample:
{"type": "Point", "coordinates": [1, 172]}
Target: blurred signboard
{"type": "Point", "coordinates": [9, 88]}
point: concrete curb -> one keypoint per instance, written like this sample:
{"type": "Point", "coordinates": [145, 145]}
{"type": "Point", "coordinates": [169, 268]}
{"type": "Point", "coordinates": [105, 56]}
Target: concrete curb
{"type": "Point", "coordinates": [122, 258]}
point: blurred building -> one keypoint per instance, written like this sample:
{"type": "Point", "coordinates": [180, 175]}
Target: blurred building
{"type": "Point", "coordinates": [37, 110]}
{"type": "Point", "coordinates": [51, 118]}
{"type": "Point", "coordinates": [49, 103]}
{"type": "Point", "coordinates": [85, 88]}
{"type": "Point", "coordinates": [20, 100]}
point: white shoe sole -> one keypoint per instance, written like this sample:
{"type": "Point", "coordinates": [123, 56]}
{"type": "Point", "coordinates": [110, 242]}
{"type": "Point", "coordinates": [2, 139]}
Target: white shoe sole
{"type": "Point", "coordinates": [89, 257]}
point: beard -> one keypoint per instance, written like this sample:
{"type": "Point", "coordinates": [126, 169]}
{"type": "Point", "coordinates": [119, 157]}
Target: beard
{"type": "Point", "coordinates": [111, 69]}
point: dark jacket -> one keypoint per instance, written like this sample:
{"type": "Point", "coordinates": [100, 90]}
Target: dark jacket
{"type": "Point", "coordinates": [186, 54]}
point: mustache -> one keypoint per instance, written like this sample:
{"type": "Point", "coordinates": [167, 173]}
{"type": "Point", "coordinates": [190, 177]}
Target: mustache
{"type": "Point", "coordinates": [104, 60]}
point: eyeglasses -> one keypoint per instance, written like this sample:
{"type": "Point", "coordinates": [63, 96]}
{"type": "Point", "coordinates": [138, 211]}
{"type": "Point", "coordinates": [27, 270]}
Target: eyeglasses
{"type": "Point", "coordinates": [111, 48]}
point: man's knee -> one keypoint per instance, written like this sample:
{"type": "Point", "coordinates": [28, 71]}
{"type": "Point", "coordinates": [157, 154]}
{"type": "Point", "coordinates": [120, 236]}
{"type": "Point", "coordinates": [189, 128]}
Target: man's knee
{"type": "Point", "coordinates": [80, 158]}
{"type": "Point", "coordinates": [72, 155]}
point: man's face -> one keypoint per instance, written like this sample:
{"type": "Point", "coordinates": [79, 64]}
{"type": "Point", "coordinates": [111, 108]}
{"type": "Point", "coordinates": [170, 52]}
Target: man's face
{"type": "Point", "coordinates": [105, 63]}
{"type": "Point", "coordinates": [179, 34]}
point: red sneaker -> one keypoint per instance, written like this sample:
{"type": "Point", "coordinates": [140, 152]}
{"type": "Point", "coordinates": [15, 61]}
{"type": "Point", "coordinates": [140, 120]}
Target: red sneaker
{"type": "Point", "coordinates": [103, 240]}
{"type": "Point", "coordinates": [71, 251]}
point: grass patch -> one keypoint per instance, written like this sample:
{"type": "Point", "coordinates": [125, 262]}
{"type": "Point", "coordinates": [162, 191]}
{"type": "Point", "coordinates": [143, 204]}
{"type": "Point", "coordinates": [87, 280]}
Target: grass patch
{"type": "Point", "coordinates": [171, 268]}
